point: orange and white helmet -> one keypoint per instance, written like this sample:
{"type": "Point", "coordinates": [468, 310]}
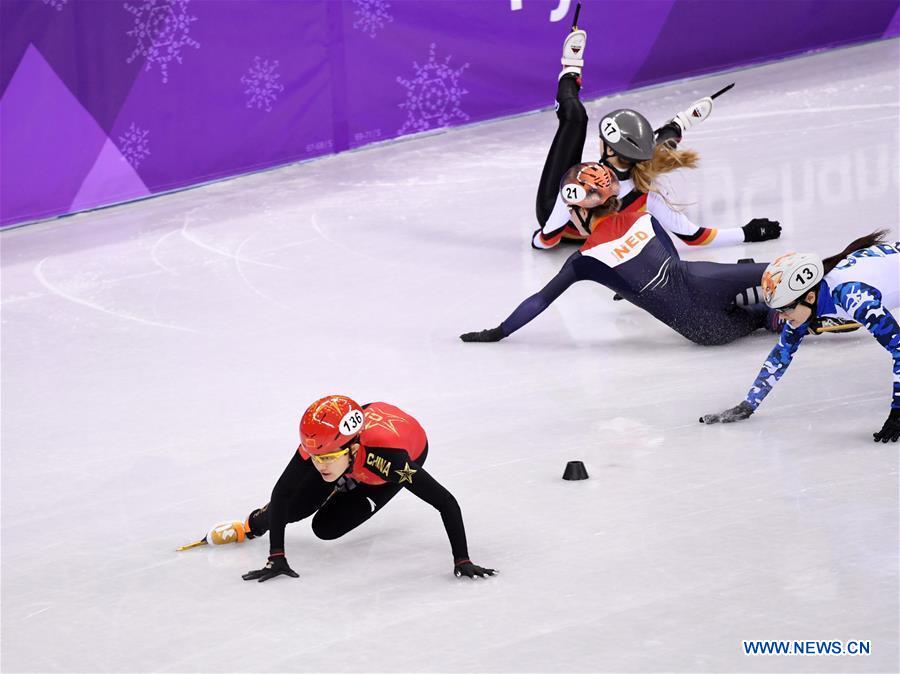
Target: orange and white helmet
{"type": "Point", "coordinates": [789, 277]}
{"type": "Point", "coordinates": [588, 185]}
{"type": "Point", "coordinates": [330, 423]}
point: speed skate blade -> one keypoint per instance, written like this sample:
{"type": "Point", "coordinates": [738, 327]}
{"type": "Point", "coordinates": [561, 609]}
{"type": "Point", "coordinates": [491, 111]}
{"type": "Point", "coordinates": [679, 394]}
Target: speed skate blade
{"type": "Point", "coordinates": [196, 544]}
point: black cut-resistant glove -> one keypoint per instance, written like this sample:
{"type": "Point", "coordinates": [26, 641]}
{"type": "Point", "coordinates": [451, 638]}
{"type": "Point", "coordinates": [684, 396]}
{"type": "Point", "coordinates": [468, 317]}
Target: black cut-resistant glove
{"type": "Point", "coordinates": [736, 413]}
{"type": "Point", "coordinates": [890, 432]}
{"type": "Point", "coordinates": [276, 566]}
{"type": "Point", "coordinates": [464, 567]}
{"type": "Point", "coordinates": [491, 335]}
{"type": "Point", "coordinates": [761, 229]}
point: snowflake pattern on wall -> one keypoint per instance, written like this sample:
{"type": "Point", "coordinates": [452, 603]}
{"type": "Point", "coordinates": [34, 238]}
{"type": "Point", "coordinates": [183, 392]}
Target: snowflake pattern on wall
{"type": "Point", "coordinates": [56, 4]}
{"type": "Point", "coordinates": [262, 84]}
{"type": "Point", "coordinates": [371, 15]}
{"type": "Point", "coordinates": [161, 29]}
{"type": "Point", "coordinates": [433, 95]}
{"type": "Point", "coordinates": [134, 145]}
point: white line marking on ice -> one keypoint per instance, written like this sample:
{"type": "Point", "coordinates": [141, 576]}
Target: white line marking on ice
{"type": "Point", "coordinates": [237, 262]}
{"type": "Point", "coordinates": [197, 242]}
{"type": "Point", "coordinates": [39, 275]}
{"type": "Point", "coordinates": [156, 259]}
{"type": "Point", "coordinates": [31, 615]}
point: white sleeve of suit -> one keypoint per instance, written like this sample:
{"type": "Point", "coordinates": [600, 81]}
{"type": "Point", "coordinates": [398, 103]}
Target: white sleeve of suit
{"type": "Point", "coordinates": [691, 234]}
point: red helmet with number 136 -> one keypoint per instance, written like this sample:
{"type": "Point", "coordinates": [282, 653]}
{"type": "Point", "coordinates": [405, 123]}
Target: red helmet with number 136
{"type": "Point", "coordinates": [329, 423]}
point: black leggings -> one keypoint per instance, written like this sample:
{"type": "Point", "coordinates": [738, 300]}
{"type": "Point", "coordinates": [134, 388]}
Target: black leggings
{"type": "Point", "coordinates": [566, 148]}
{"type": "Point", "coordinates": [335, 512]}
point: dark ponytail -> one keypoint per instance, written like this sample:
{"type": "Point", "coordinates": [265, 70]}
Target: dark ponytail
{"type": "Point", "coordinates": [862, 242]}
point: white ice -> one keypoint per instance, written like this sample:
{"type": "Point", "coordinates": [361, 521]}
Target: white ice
{"type": "Point", "coordinates": [157, 355]}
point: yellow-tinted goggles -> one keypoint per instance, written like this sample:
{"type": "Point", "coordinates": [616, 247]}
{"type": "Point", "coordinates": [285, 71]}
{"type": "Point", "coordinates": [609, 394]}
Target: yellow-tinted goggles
{"type": "Point", "coordinates": [330, 456]}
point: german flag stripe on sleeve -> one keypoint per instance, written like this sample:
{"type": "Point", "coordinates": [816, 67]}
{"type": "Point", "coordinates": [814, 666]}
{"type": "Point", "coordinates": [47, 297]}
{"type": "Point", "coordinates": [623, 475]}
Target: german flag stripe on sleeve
{"type": "Point", "coordinates": [633, 201]}
{"type": "Point", "coordinates": [703, 237]}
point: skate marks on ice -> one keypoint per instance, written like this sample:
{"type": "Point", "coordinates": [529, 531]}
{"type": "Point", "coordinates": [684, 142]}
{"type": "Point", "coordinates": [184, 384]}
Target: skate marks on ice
{"type": "Point", "coordinates": [42, 279]}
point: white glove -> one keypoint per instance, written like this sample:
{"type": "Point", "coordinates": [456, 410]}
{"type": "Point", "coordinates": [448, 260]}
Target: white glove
{"type": "Point", "coordinates": [695, 114]}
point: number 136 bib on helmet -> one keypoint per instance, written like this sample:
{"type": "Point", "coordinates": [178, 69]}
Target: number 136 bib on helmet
{"type": "Point", "coordinates": [329, 424]}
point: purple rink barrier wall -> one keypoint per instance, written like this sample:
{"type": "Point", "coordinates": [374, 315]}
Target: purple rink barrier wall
{"type": "Point", "coordinates": [103, 101]}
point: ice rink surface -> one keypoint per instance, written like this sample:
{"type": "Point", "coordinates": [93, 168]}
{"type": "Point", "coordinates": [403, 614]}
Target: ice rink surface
{"type": "Point", "coordinates": [157, 356]}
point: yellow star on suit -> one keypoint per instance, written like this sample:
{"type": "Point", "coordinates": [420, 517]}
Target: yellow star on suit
{"type": "Point", "coordinates": [406, 474]}
{"type": "Point", "coordinates": [379, 418]}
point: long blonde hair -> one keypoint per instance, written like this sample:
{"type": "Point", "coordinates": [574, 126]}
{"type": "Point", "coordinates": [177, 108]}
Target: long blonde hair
{"type": "Point", "coordinates": [665, 159]}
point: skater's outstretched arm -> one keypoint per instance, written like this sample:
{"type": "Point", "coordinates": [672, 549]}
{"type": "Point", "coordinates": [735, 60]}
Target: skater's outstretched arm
{"type": "Point", "coordinates": [531, 307]}
{"type": "Point", "coordinates": [676, 222]}
{"type": "Point", "coordinates": [777, 363]}
{"type": "Point", "coordinates": [410, 474]}
{"type": "Point", "coordinates": [298, 475]}
{"type": "Point", "coordinates": [863, 303]}
{"type": "Point", "coordinates": [772, 370]}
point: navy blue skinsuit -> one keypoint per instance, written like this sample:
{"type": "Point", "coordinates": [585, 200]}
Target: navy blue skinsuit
{"type": "Point", "coordinates": [632, 255]}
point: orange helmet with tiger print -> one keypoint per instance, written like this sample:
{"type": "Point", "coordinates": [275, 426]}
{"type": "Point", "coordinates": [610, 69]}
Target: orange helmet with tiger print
{"type": "Point", "coordinates": [330, 423]}
{"type": "Point", "coordinates": [588, 185]}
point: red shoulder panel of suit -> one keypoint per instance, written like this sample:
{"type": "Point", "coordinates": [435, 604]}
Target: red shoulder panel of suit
{"type": "Point", "coordinates": [386, 426]}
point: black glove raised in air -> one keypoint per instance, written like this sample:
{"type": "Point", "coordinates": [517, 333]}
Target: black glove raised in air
{"type": "Point", "coordinates": [491, 335]}
{"type": "Point", "coordinates": [890, 432]}
{"type": "Point", "coordinates": [736, 413]}
{"type": "Point", "coordinates": [464, 567]}
{"type": "Point", "coordinates": [276, 566]}
{"type": "Point", "coordinates": [761, 229]}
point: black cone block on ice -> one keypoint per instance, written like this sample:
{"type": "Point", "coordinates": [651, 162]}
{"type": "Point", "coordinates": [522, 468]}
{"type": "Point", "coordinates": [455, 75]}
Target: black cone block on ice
{"type": "Point", "coordinates": [575, 470]}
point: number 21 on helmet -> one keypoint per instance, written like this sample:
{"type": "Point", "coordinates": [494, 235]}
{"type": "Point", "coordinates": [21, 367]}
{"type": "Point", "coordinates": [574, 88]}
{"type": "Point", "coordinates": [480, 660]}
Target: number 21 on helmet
{"type": "Point", "coordinates": [588, 185]}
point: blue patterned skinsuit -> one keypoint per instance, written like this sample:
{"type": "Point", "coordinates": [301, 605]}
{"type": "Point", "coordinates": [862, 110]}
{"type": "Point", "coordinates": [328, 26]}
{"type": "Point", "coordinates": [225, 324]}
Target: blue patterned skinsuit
{"type": "Point", "coordinates": [863, 286]}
